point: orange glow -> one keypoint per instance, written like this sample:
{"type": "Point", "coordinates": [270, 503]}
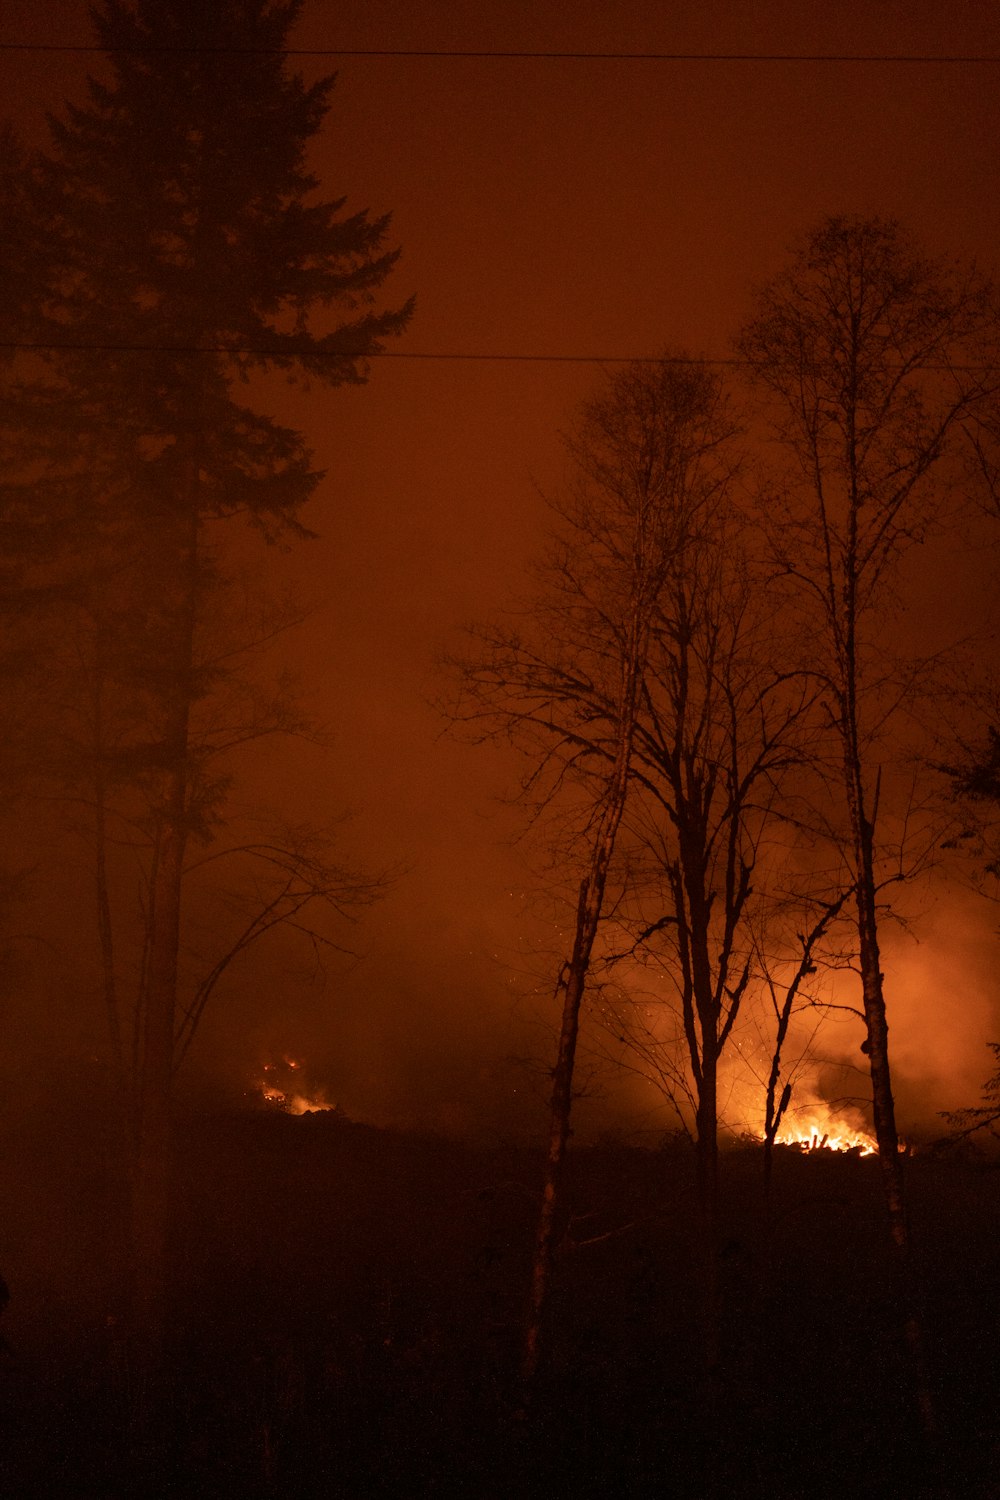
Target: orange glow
{"type": "Point", "coordinates": [818, 1127]}
{"type": "Point", "coordinates": [300, 1104]}
{"type": "Point", "coordinates": [291, 1101]}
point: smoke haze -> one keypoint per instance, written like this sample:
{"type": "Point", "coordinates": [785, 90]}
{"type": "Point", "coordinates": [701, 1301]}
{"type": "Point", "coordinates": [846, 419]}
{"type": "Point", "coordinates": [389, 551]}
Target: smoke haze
{"type": "Point", "coordinates": [564, 208]}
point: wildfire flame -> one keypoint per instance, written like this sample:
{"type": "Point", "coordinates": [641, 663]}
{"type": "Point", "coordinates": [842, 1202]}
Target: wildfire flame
{"type": "Point", "coordinates": [292, 1098]}
{"type": "Point", "coordinates": [816, 1127]}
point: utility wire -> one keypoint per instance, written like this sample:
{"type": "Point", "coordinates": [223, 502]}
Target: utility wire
{"type": "Point", "coordinates": [523, 56]}
{"type": "Point", "coordinates": [420, 354]}
{"type": "Point", "coordinates": [447, 356]}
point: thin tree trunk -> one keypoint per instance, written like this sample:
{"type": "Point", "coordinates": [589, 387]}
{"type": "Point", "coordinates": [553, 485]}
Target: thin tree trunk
{"type": "Point", "coordinates": [573, 982]}
{"type": "Point", "coordinates": [560, 1109]}
{"type": "Point", "coordinates": [561, 1102]}
{"type": "Point", "coordinates": [708, 1197]}
{"type": "Point", "coordinates": [884, 1112]}
{"type": "Point", "coordinates": [104, 923]}
{"type": "Point", "coordinates": [151, 1193]}
{"type": "Point", "coordinates": [869, 958]}
{"type": "Point", "coordinates": [775, 1108]}
{"type": "Point", "coordinates": [774, 1117]}
{"type": "Point", "coordinates": [152, 1165]}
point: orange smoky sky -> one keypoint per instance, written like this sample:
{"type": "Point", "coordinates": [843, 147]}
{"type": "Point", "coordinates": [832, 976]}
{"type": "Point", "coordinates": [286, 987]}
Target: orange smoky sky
{"type": "Point", "coordinates": [553, 207]}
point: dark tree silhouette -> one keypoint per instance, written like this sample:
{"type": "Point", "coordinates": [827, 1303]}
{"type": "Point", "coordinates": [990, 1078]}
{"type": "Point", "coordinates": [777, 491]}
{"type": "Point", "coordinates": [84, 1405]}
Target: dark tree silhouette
{"type": "Point", "coordinates": [861, 347]}
{"type": "Point", "coordinates": [625, 688]}
{"type": "Point", "coordinates": [185, 247]}
{"type": "Point", "coordinates": [967, 1123]}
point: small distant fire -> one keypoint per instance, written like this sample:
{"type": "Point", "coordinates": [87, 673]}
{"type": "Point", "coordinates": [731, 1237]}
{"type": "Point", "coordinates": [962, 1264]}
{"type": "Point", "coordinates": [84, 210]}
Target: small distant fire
{"type": "Point", "coordinates": [284, 1087]}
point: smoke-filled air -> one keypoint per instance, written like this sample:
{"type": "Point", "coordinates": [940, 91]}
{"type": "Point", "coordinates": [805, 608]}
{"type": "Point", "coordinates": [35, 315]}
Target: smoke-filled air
{"type": "Point", "coordinates": [499, 750]}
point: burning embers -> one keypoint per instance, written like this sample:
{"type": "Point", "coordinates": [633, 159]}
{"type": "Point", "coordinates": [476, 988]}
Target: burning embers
{"type": "Point", "coordinates": [816, 1127]}
{"type": "Point", "coordinates": [284, 1087]}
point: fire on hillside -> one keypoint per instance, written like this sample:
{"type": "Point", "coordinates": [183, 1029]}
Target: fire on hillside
{"type": "Point", "coordinates": [284, 1087]}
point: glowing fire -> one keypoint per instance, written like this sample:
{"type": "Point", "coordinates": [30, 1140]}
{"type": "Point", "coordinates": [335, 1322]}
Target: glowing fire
{"type": "Point", "coordinates": [280, 1089]}
{"type": "Point", "coordinates": [816, 1127]}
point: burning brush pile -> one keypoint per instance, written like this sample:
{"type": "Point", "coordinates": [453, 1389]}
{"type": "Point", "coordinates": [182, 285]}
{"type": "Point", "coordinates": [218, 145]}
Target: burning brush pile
{"type": "Point", "coordinates": [819, 1126]}
{"type": "Point", "coordinates": [285, 1086]}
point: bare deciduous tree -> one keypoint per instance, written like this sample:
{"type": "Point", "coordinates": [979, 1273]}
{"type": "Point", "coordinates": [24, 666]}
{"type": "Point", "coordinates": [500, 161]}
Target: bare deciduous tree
{"type": "Point", "coordinates": [569, 686]}
{"type": "Point", "coordinates": [860, 347]}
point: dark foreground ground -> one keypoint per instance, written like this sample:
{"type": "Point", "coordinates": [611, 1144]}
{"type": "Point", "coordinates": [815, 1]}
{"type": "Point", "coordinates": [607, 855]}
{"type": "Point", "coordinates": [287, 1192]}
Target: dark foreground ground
{"type": "Point", "coordinates": [346, 1305]}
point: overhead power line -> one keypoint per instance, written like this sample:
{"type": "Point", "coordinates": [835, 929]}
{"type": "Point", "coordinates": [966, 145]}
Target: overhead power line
{"type": "Point", "coordinates": [429, 356]}
{"type": "Point", "coordinates": [419, 354]}
{"type": "Point", "coordinates": [923, 58]}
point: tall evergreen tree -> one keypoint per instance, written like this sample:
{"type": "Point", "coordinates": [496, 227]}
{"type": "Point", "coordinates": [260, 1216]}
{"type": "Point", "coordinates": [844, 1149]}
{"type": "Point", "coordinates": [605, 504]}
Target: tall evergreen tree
{"type": "Point", "coordinates": [185, 246]}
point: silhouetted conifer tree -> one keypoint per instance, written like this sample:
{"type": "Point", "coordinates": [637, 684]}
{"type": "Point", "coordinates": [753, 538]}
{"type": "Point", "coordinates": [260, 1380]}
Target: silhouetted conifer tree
{"type": "Point", "coordinates": [185, 246]}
